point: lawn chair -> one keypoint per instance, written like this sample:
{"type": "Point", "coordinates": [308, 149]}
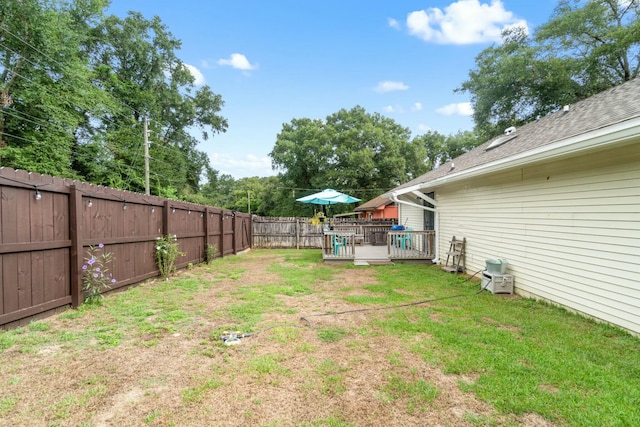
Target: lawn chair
{"type": "Point", "coordinates": [404, 240]}
{"type": "Point", "coordinates": [339, 241]}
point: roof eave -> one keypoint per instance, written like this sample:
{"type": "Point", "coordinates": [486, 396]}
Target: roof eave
{"type": "Point", "coordinates": [619, 133]}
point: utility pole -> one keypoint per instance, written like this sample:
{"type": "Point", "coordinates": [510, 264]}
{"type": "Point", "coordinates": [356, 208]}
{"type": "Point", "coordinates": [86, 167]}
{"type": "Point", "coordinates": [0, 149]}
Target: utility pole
{"type": "Point", "coordinates": [249, 201]}
{"type": "Point", "coordinates": [147, 191]}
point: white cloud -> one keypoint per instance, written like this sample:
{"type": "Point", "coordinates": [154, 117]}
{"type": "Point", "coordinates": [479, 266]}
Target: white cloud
{"type": "Point", "coordinates": [463, 22]}
{"type": "Point", "coordinates": [423, 128]}
{"type": "Point", "coordinates": [417, 106]}
{"type": "Point", "coordinates": [251, 165]}
{"type": "Point", "coordinates": [199, 78]}
{"type": "Point", "coordinates": [393, 23]}
{"type": "Point", "coordinates": [390, 109]}
{"type": "Point", "coordinates": [389, 86]}
{"type": "Point", "coordinates": [459, 109]}
{"type": "Point", "coordinates": [238, 61]}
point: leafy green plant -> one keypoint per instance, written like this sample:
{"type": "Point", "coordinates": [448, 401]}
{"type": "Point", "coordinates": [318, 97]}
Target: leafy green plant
{"type": "Point", "coordinates": [97, 278]}
{"type": "Point", "coordinates": [167, 251]}
{"type": "Point", "coordinates": [212, 250]}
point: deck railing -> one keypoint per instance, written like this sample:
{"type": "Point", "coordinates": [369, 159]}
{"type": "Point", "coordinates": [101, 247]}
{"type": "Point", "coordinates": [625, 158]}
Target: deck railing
{"type": "Point", "coordinates": [403, 244]}
{"type": "Point", "coordinates": [364, 232]}
{"type": "Point", "coordinates": [339, 245]}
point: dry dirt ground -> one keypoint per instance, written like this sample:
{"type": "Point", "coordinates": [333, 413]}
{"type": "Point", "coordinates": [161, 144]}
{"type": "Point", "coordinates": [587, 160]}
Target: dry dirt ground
{"type": "Point", "coordinates": [285, 376]}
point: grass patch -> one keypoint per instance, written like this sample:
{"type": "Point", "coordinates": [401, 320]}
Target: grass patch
{"type": "Point", "coordinates": [195, 395]}
{"type": "Point", "coordinates": [417, 393]}
{"type": "Point", "coordinates": [267, 365]}
{"type": "Point", "coordinates": [327, 422]}
{"type": "Point", "coordinates": [331, 377]}
{"type": "Point", "coordinates": [332, 334]}
{"type": "Point", "coordinates": [7, 404]}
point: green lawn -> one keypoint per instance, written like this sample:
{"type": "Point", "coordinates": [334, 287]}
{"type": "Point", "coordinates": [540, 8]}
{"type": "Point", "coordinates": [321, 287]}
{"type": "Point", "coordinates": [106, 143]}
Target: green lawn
{"type": "Point", "coordinates": [517, 355]}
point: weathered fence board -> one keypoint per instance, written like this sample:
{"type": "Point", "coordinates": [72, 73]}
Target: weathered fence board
{"type": "Point", "coordinates": [292, 232]}
{"type": "Point", "coordinates": [44, 241]}
{"type": "Point", "coordinates": [286, 232]}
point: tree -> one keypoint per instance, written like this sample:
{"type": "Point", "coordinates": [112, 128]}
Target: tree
{"type": "Point", "coordinates": [351, 150]}
{"type": "Point", "coordinates": [515, 82]}
{"type": "Point", "coordinates": [602, 35]}
{"type": "Point", "coordinates": [434, 144]}
{"type": "Point", "coordinates": [44, 82]}
{"type": "Point", "coordinates": [585, 48]}
{"type": "Point", "coordinates": [136, 63]}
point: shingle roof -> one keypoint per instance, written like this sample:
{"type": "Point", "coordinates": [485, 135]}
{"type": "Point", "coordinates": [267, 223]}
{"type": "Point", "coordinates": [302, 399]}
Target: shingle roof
{"type": "Point", "coordinates": [615, 105]}
{"type": "Point", "coordinates": [373, 204]}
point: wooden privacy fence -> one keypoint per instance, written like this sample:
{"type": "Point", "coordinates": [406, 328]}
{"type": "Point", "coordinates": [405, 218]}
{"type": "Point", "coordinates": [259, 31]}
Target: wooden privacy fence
{"type": "Point", "coordinates": [293, 232]}
{"type": "Point", "coordinates": [47, 225]}
{"type": "Point", "coordinates": [286, 232]}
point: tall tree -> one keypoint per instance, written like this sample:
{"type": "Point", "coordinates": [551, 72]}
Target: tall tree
{"type": "Point", "coordinates": [602, 35]}
{"type": "Point", "coordinates": [351, 150]}
{"type": "Point", "coordinates": [137, 64]}
{"type": "Point", "coordinates": [44, 82]}
{"type": "Point", "coordinates": [587, 46]}
{"type": "Point", "coordinates": [516, 82]}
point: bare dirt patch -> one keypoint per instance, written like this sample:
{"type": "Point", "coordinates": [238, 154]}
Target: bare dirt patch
{"type": "Point", "coordinates": [284, 375]}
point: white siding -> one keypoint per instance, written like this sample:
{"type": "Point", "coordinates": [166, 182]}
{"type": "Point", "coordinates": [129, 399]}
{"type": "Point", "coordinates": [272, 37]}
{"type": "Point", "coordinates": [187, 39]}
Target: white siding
{"type": "Point", "coordinates": [569, 229]}
{"type": "Point", "coordinates": [410, 216]}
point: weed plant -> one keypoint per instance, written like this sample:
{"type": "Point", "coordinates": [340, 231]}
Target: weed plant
{"type": "Point", "coordinates": [96, 277]}
{"type": "Point", "coordinates": [167, 252]}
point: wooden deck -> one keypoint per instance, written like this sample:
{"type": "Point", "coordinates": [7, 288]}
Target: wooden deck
{"type": "Point", "coordinates": [401, 246]}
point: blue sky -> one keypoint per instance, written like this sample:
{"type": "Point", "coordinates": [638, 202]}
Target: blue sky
{"type": "Point", "coordinates": [273, 61]}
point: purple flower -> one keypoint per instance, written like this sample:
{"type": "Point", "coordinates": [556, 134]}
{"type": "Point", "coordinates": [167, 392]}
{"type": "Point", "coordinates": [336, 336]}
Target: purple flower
{"type": "Point", "coordinates": [84, 267]}
{"type": "Point", "coordinates": [95, 275]}
{"type": "Point", "coordinates": [100, 245]}
{"type": "Point", "coordinates": [91, 261]}
{"type": "Point", "coordinates": [97, 268]}
{"type": "Point", "coordinates": [113, 280]}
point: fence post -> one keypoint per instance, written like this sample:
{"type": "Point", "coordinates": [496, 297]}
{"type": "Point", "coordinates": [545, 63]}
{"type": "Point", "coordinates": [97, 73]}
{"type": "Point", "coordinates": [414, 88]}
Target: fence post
{"type": "Point", "coordinates": [206, 235]}
{"type": "Point", "coordinates": [165, 218]}
{"type": "Point", "coordinates": [297, 233]}
{"type": "Point", "coordinates": [235, 234]}
{"type": "Point", "coordinates": [222, 233]}
{"type": "Point", "coordinates": [75, 234]}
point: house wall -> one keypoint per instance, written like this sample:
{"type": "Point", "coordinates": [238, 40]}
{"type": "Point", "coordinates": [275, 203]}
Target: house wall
{"type": "Point", "coordinates": [410, 216]}
{"type": "Point", "coordinates": [569, 229]}
{"type": "Point", "coordinates": [389, 211]}
{"type": "Point", "coordinates": [384, 212]}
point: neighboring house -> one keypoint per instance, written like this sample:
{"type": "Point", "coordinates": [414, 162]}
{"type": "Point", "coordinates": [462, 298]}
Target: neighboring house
{"type": "Point", "coordinates": [378, 208]}
{"type": "Point", "coordinates": [558, 198]}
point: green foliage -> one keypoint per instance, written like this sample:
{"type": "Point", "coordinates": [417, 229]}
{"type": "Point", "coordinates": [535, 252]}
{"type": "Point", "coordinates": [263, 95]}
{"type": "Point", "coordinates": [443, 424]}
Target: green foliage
{"type": "Point", "coordinates": [587, 47]}
{"type": "Point", "coordinates": [212, 251]}
{"type": "Point", "coordinates": [96, 276]}
{"type": "Point", "coordinates": [349, 150]}
{"type": "Point", "coordinates": [76, 85]}
{"type": "Point", "coordinates": [167, 252]}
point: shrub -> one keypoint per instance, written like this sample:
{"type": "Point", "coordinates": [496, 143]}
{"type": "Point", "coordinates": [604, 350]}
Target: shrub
{"type": "Point", "coordinates": [167, 251]}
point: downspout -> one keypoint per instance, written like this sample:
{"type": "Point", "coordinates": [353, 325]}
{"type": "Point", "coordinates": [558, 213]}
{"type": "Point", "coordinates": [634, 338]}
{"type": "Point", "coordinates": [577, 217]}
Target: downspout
{"type": "Point", "coordinates": [395, 198]}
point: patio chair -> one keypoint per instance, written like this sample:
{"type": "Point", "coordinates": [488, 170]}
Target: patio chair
{"type": "Point", "coordinates": [339, 241]}
{"type": "Point", "coordinates": [404, 240]}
